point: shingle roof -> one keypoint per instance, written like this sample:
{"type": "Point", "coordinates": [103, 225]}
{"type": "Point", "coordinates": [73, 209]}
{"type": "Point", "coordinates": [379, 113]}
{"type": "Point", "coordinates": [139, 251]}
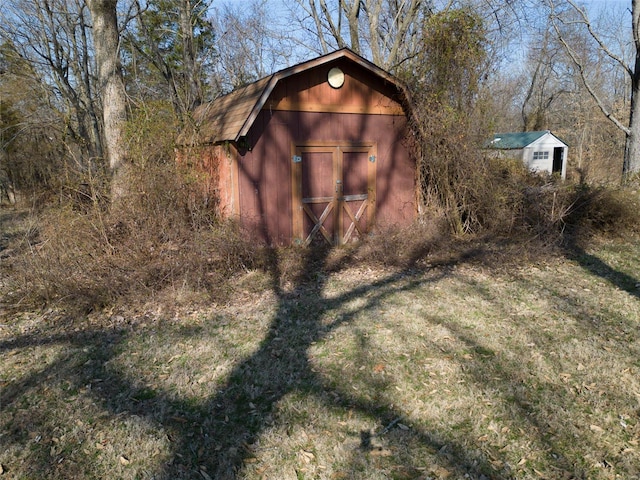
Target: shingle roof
{"type": "Point", "coordinates": [230, 117]}
{"type": "Point", "coordinates": [224, 118]}
{"type": "Point", "coordinates": [508, 141]}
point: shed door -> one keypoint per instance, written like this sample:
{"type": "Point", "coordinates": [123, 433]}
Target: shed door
{"type": "Point", "coordinates": [333, 192]}
{"type": "Point", "coordinates": [558, 154]}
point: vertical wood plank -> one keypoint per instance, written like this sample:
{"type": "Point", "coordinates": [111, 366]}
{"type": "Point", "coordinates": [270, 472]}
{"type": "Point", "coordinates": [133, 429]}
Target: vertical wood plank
{"type": "Point", "coordinates": [372, 190]}
{"type": "Point", "coordinates": [338, 176]}
{"type": "Point", "coordinates": [235, 187]}
{"type": "Point", "coordinates": [296, 195]}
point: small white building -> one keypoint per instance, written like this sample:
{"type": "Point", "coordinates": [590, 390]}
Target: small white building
{"type": "Point", "coordinates": [539, 151]}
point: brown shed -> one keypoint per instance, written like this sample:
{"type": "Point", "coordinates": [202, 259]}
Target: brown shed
{"type": "Point", "coordinates": [314, 152]}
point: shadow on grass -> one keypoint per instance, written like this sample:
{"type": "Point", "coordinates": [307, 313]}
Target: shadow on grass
{"type": "Point", "coordinates": [220, 433]}
{"type": "Point", "coordinates": [217, 436]}
{"type": "Point", "coordinates": [214, 438]}
{"type": "Point", "coordinates": [8, 218]}
{"type": "Point", "coordinates": [598, 267]}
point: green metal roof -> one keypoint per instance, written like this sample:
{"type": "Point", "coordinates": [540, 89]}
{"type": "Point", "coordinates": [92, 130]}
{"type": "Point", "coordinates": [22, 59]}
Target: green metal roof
{"type": "Point", "coordinates": [508, 141]}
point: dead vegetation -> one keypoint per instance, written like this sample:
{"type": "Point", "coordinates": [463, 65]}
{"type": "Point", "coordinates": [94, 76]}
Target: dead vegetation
{"type": "Point", "coordinates": [164, 241]}
{"type": "Point", "coordinates": [152, 340]}
{"type": "Point", "coordinates": [161, 237]}
{"type": "Point", "coordinates": [452, 367]}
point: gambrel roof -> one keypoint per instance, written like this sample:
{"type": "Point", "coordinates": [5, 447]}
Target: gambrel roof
{"type": "Point", "coordinates": [230, 117]}
{"type": "Point", "coordinates": [517, 140]}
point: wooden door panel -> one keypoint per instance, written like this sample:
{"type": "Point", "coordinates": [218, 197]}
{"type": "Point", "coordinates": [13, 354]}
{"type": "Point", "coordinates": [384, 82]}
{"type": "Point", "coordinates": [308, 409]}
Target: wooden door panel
{"type": "Point", "coordinates": [318, 194]}
{"type": "Point", "coordinates": [355, 178]}
{"type": "Point", "coordinates": [355, 194]}
{"type": "Point", "coordinates": [333, 192]}
{"type": "Point", "coordinates": [317, 174]}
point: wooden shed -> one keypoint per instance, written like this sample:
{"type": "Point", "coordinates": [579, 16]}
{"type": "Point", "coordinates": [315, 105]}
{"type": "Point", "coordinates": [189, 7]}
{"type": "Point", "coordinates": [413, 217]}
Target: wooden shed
{"type": "Point", "coordinates": [314, 152]}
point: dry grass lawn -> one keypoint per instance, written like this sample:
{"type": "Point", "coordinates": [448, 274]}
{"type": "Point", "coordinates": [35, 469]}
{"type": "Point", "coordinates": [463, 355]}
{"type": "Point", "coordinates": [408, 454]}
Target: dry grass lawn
{"type": "Point", "coordinates": [459, 370]}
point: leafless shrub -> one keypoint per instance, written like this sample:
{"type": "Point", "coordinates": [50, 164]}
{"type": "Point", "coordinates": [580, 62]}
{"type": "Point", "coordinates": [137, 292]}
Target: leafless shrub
{"type": "Point", "coordinates": [403, 247]}
{"type": "Point", "coordinates": [477, 194]}
{"type": "Point", "coordinates": [612, 211]}
{"type": "Point", "coordinates": [157, 238]}
{"type": "Point", "coordinates": [481, 195]}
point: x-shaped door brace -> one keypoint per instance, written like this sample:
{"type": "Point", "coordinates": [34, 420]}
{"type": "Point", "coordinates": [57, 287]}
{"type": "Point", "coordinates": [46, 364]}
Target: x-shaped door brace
{"type": "Point", "coordinates": [345, 215]}
{"type": "Point", "coordinates": [354, 219]}
{"type": "Point", "coordinates": [318, 223]}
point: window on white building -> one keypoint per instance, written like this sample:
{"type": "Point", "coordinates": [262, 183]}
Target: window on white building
{"type": "Point", "coordinates": [543, 155]}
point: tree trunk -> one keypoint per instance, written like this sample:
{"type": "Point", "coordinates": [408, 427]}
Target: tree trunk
{"type": "Point", "coordinates": [111, 89]}
{"type": "Point", "coordinates": [631, 164]}
{"type": "Point", "coordinates": [193, 87]}
{"type": "Point", "coordinates": [353, 17]}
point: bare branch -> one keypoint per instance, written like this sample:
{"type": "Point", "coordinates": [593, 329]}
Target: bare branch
{"type": "Point", "coordinates": [587, 23]}
{"type": "Point", "coordinates": [332, 28]}
{"type": "Point", "coordinates": [408, 18]}
{"type": "Point", "coordinates": [313, 11]}
{"type": "Point", "coordinates": [574, 57]}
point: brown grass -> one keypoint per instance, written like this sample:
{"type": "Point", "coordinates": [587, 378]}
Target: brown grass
{"type": "Point", "coordinates": [454, 368]}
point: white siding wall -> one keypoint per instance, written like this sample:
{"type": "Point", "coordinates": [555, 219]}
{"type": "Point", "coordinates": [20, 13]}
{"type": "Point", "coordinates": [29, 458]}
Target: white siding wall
{"type": "Point", "coordinates": [547, 143]}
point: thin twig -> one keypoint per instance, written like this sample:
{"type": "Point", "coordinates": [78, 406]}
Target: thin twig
{"type": "Point", "coordinates": [389, 427]}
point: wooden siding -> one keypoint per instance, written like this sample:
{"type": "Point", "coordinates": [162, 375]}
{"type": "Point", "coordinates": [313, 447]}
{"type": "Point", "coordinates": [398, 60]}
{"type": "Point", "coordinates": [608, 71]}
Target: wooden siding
{"type": "Point", "coordinates": [254, 133]}
{"type": "Point", "coordinates": [227, 178]}
{"type": "Point", "coordinates": [302, 87]}
{"type": "Point", "coordinates": [265, 172]}
{"type": "Point", "coordinates": [362, 93]}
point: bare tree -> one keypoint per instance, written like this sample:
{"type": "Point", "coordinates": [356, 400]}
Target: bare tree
{"type": "Point", "coordinates": [383, 30]}
{"type": "Point", "coordinates": [106, 39]}
{"type": "Point", "coordinates": [389, 32]}
{"type": "Point", "coordinates": [249, 47]}
{"type": "Point", "coordinates": [567, 14]}
{"type": "Point", "coordinates": [176, 40]}
{"type": "Point", "coordinates": [546, 81]}
{"type": "Point", "coordinates": [54, 37]}
{"type": "Point", "coordinates": [32, 130]}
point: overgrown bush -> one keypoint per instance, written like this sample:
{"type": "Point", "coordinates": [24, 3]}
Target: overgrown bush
{"type": "Point", "coordinates": [403, 247]}
{"type": "Point", "coordinates": [611, 211]}
{"type": "Point", "coordinates": [92, 257]}
{"type": "Point", "coordinates": [88, 255]}
{"type": "Point", "coordinates": [481, 195]}
{"type": "Point", "coordinates": [478, 194]}
{"type": "Point", "coordinates": [161, 235]}
{"type": "Point", "coordinates": [164, 235]}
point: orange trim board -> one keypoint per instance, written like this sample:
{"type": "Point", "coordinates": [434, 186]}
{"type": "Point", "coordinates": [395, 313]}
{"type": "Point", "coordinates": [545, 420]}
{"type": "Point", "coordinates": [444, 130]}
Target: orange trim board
{"type": "Point", "coordinates": [323, 108]}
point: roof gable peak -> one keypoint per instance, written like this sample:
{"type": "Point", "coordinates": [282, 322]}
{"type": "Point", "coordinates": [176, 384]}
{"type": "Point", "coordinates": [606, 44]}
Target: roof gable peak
{"type": "Point", "coordinates": [232, 115]}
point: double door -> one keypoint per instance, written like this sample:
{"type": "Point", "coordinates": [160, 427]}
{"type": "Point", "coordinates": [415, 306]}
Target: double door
{"type": "Point", "coordinates": [334, 188]}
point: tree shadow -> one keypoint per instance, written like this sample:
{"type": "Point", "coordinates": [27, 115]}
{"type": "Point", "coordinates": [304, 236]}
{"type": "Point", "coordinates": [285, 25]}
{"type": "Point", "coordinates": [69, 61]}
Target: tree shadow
{"type": "Point", "coordinates": [596, 266]}
{"type": "Point", "coordinates": [234, 416]}
{"type": "Point", "coordinates": [216, 436]}
{"type": "Point", "coordinates": [539, 403]}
